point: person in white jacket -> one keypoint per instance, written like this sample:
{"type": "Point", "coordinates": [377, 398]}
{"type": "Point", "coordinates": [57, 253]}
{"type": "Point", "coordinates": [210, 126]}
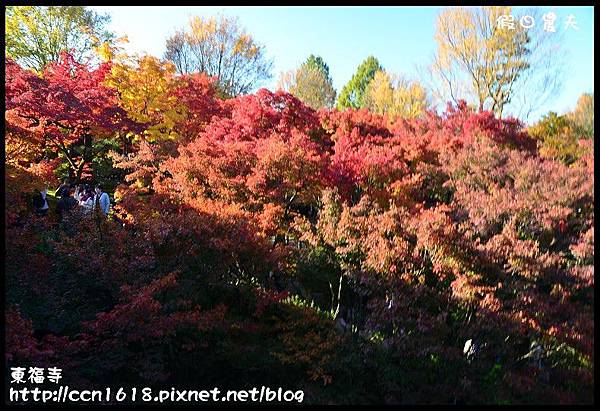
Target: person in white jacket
{"type": "Point", "coordinates": [79, 191]}
{"type": "Point", "coordinates": [86, 200]}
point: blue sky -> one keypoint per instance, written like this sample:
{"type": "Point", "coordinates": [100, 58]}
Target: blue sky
{"type": "Point", "coordinates": [402, 38]}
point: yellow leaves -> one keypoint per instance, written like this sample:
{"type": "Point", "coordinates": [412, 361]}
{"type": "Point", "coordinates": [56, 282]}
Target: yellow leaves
{"type": "Point", "coordinates": [122, 39]}
{"type": "Point", "coordinates": [112, 51]}
{"type": "Point", "coordinates": [214, 34]}
{"type": "Point", "coordinates": [245, 45]}
{"type": "Point", "coordinates": [104, 51]}
{"type": "Point", "coordinates": [18, 149]}
{"type": "Point", "coordinates": [477, 55]}
{"type": "Point", "coordinates": [410, 100]}
{"type": "Point", "coordinates": [379, 96]}
{"type": "Point", "coordinates": [145, 86]}
{"type": "Point", "coordinates": [202, 29]}
{"type": "Point", "coordinates": [395, 96]}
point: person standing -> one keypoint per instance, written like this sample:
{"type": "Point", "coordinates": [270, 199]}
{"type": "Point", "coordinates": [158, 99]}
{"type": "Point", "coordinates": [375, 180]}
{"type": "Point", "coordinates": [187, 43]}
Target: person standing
{"type": "Point", "coordinates": [64, 207]}
{"type": "Point", "coordinates": [103, 200]}
{"type": "Point", "coordinates": [66, 203]}
{"type": "Point", "coordinates": [79, 192]}
{"type": "Point", "coordinates": [40, 202]}
{"type": "Point", "coordinates": [86, 200]}
{"type": "Point", "coordinates": [64, 187]}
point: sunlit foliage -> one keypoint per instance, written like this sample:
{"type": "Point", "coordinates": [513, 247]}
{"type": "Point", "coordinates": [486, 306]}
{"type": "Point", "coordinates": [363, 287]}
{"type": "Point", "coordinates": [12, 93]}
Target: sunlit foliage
{"type": "Point", "coordinates": [438, 258]}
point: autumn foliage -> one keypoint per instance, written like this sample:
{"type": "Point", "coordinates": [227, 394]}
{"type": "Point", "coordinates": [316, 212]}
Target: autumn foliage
{"type": "Point", "coordinates": [255, 240]}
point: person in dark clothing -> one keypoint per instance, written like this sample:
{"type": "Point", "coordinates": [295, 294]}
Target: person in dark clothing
{"type": "Point", "coordinates": [66, 203]}
{"type": "Point", "coordinates": [63, 188]}
{"type": "Point", "coordinates": [40, 203]}
{"type": "Point", "coordinates": [64, 207]}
